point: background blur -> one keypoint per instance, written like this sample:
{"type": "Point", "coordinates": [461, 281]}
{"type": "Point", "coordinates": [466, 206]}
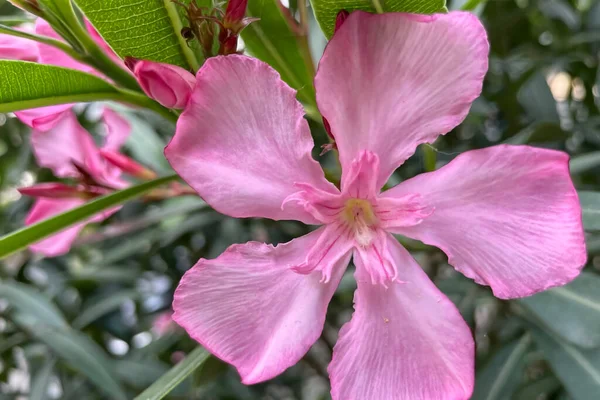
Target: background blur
{"type": "Point", "coordinates": [115, 287]}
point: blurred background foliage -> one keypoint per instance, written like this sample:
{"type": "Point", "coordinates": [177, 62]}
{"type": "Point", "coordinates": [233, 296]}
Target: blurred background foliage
{"type": "Point", "coordinates": [94, 324]}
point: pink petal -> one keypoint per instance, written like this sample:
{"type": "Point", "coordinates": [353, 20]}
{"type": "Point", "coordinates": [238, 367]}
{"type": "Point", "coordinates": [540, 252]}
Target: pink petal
{"type": "Point", "coordinates": [65, 144]}
{"type": "Point", "coordinates": [389, 82]}
{"type": "Point", "coordinates": [43, 118]}
{"type": "Point", "coordinates": [117, 129]}
{"type": "Point", "coordinates": [242, 141]}
{"type": "Point", "coordinates": [53, 56]}
{"type": "Point", "coordinates": [405, 342]}
{"type": "Point", "coordinates": [506, 216]}
{"type": "Point", "coordinates": [168, 84]}
{"type": "Point", "coordinates": [61, 242]}
{"type": "Point", "coordinates": [249, 308]}
{"type": "Point", "coordinates": [17, 48]}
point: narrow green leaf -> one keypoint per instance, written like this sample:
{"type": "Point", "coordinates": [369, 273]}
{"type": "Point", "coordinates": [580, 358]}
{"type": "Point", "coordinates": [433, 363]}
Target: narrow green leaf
{"type": "Point", "coordinates": [590, 205]}
{"type": "Point", "coordinates": [578, 370]}
{"type": "Point", "coordinates": [140, 374]}
{"type": "Point", "coordinates": [83, 355]}
{"type": "Point", "coordinates": [103, 307]}
{"type": "Point", "coordinates": [41, 380]}
{"type": "Point", "coordinates": [28, 85]}
{"type": "Point", "coordinates": [327, 10]}
{"type": "Point", "coordinates": [33, 304]}
{"type": "Point", "coordinates": [585, 162]}
{"type": "Point", "coordinates": [540, 389]}
{"type": "Point", "coordinates": [500, 378]}
{"type": "Point", "coordinates": [571, 311]}
{"type": "Point", "coordinates": [271, 40]}
{"type": "Point", "coordinates": [148, 29]}
{"type": "Point", "coordinates": [176, 375]}
{"type": "Point", "coordinates": [22, 238]}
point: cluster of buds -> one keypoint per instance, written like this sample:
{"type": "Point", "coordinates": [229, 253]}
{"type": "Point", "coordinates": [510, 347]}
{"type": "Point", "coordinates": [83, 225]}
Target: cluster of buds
{"type": "Point", "coordinates": [207, 23]}
{"type": "Point", "coordinates": [88, 185]}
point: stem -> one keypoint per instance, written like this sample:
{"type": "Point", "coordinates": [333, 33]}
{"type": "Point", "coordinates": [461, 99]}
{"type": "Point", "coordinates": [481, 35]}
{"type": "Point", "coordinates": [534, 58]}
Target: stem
{"type": "Point", "coordinates": [141, 100]}
{"type": "Point", "coordinates": [303, 39]}
{"type": "Point", "coordinates": [62, 46]}
{"type": "Point", "coordinates": [430, 156]}
{"type": "Point", "coordinates": [189, 55]}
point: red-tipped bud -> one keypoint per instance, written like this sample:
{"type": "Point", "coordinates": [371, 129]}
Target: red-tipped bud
{"type": "Point", "coordinates": [55, 190]}
{"type": "Point", "coordinates": [168, 84]}
{"type": "Point", "coordinates": [127, 165]}
{"type": "Point", "coordinates": [340, 19]}
{"type": "Point", "coordinates": [235, 12]}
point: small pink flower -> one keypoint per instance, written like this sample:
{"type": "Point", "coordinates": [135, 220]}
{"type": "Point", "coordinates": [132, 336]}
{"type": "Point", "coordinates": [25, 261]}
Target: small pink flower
{"type": "Point", "coordinates": [168, 84]}
{"type": "Point", "coordinates": [506, 216]}
{"type": "Point", "coordinates": [70, 152]}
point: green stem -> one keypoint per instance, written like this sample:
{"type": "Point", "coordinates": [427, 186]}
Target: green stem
{"type": "Point", "coordinates": [131, 97]}
{"type": "Point", "coordinates": [429, 156]}
{"type": "Point", "coordinates": [62, 46]}
{"type": "Point", "coordinates": [378, 6]}
{"type": "Point", "coordinates": [177, 26]}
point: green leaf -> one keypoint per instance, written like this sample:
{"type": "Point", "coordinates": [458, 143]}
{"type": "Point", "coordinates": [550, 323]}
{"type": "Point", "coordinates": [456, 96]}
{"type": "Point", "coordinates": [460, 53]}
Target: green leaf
{"type": "Point", "coordinates": [271, 40]}
{"type": "Point", "coordinates": [571, 311]}
{"type": "Point", "coordinates": [584, 162]}
{"type": "Point", "coordinates": [578, 370]}
{"type": "Point", "coordinates": [148, 29]}
{"type": "Point", "coordinates": [178, 373]}
{"type": "Point", "coordinates": [28, 85]}
{"type": "Point", "coordinates": [40, 381]}
{"type": "Point", "coordinates": [103, 307]}
{"type": "Point", "coordinates": [538, 132]}
{"type": "Point", "coordinates": [537, 100]}
{"type": "Point", "coordinates": [22, 238]}
{"type": "Point", "coordinates": [540, 389]}
{"type": "Point", "coordinates": [32, 304]}
{"type": "Point", "coordinates": [83, 355]}
{"type": "Point", "coordinates": [327, 10]}
{"type": "Point", "coordinates": [503, 374]}
{"type": "Point", "coordinates": [140, 374]}
{"type": "Point", "coordinates": [590, 205]}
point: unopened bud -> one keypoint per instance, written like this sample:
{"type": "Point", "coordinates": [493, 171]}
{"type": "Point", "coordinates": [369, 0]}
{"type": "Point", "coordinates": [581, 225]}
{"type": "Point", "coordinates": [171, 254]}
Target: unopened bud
{"type": "Point", "coordinates": [235, 12]}
{"type": "Point", "coordinates": [168, 84]}
{"type": "Point", "coordinates": [340, 19]}
{"type": "Point", "coordinates": [127, 165]}
{"type": "Point", "coordinates": [55, 190]}
{"type": "Point", "coordinates": [31, 6]}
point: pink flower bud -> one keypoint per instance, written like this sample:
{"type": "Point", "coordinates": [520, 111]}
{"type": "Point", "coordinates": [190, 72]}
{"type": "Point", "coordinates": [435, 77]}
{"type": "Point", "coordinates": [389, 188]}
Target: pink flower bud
{"type": "Point", "coordinates": [127, 165]}
{"type": "Point", "coordinates": [56, 190]}
{"type": "Point", "coordinates": [235, 11]}
{"type": "Point", "coordinates": [168, 84]}
{"type": "Point", "coordinates": [339, 19]}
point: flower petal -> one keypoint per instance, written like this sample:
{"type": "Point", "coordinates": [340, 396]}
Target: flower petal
{"type": "Point", "coordinates": [389, 82]}
{"type": "Point", "coordinates": [506, 216]}
{"type": "Point", "coordinates": [404, 342]}
{"type": "Point", "coordinates": [249, 308]}
{"type": "Point", "coordinates": [18, 48]}
{"type": "Point", "coordinates": [61, 242]}
{"type": "Point", "coordinates": [242, 141]}
{"type": "Point", "coordinates": [43, 118]}
{"type": "Point", "coordinates": [66, 144]}
{"type": "Point", "coordinates": [168, 84]}
{"type": "Point", "coordinates": [117, 129]}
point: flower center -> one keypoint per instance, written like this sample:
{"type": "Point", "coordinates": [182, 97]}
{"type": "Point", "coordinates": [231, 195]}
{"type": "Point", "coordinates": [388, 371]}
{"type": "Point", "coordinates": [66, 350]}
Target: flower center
{"type": "Point", "coordinates": [359, 216]}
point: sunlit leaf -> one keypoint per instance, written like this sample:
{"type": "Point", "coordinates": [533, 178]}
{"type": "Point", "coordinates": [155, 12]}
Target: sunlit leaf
{"type": "Point", "coordinates": [28, 85]}
{"type": "Point", "coordinates": [148, 29]}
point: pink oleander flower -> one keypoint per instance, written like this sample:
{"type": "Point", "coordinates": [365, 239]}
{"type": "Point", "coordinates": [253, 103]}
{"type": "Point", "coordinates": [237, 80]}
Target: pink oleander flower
{"type": "Point", "coordinates": [70, 152]}
{"type": "Point", "coordinates": [506, 216]}
{"type": "Point", "coordinates": [16, 48]}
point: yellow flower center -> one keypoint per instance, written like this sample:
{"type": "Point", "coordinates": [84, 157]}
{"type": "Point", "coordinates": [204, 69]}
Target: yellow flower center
{"type": "Point", "coordinates": [358, 214]}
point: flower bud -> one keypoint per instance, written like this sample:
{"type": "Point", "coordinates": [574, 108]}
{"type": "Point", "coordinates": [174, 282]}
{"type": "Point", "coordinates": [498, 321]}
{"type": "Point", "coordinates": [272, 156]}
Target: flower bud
{"type": "Point", "coordinates": [56, 190]}
{"type": "Point", "coordinates": [340, 19]}
{"type": "Point", "coordinates": [235, 12]}
{"type": "Point", "coordinates": [127, 165]}
{"type": "Point", "coordinates": [28, 5]}
{"type": "Point", "coordinates": [168, 84]}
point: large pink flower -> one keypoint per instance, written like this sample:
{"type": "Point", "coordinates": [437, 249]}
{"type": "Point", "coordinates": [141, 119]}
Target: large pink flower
{"type": "Point", "coordinates": [507, 216]}
{"type": "Point", "coordinates": [68, 149]}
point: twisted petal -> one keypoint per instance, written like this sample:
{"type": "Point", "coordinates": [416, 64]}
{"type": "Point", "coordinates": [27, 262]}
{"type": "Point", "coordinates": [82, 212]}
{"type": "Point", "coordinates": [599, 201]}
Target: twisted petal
{"type": "Point", "coordinates": [43, 118]}
{"type": "Point", "coordinates": [17, 48]}
{"type": "Point", "coordinates": [242, 141]}
{"type": "Point", "coordinates": [53, 56]}
{"type": "Point", "coordinates": [404, 342]}
{"type": "Point", "coordinates": [168, 84]}
{"type": "Point", "coordinates": [61, 242]}
{"type": "Point", "coordinates": [388, 82]}
{"type": "Point", "coordinates": [250, 309]}
{"type": "Point", "coordinates": [506, 216]}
